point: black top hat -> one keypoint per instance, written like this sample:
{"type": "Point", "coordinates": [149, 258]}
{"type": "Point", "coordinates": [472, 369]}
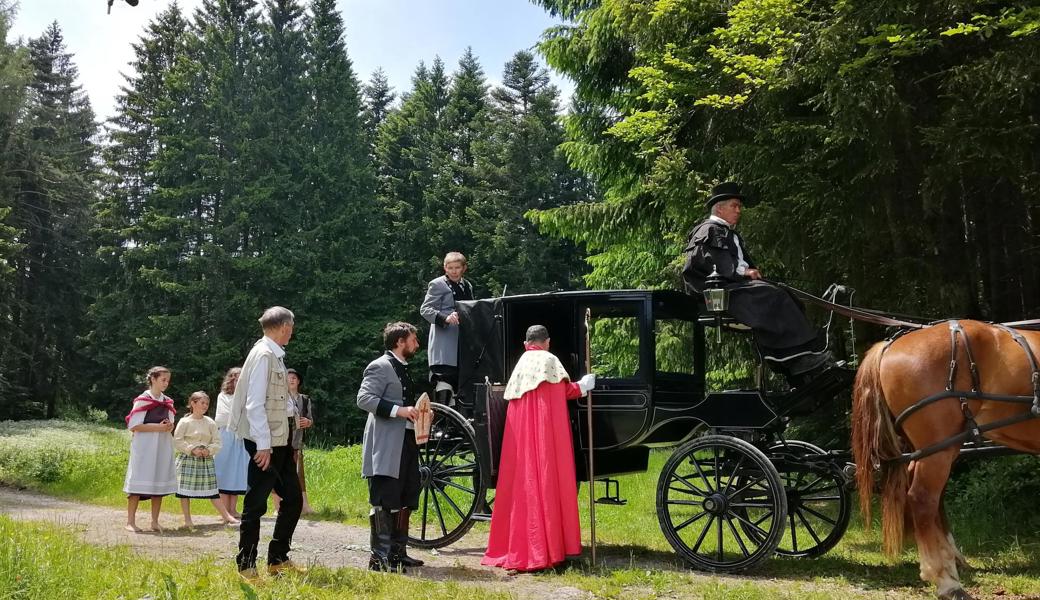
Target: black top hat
{"type": "Point", "coordinates": [725, 191]}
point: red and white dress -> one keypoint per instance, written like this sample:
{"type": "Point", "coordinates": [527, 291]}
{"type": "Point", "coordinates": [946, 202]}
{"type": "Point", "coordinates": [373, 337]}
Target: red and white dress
{"type": "Point", "coordinates": [534, 524]}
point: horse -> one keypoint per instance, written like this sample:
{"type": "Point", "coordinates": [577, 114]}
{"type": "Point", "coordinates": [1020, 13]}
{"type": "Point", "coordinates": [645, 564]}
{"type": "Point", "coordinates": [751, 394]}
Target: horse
{"type": "Point", "coordinates": [942, 361]}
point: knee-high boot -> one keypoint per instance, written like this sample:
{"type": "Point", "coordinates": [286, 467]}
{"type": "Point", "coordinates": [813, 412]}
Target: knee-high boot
{"type": "Point", "coordinates": [445, 397]}
{"type": "Point", "coordinates": [399, 551]}
{"type": "Point", "coordinates": [381, 539]}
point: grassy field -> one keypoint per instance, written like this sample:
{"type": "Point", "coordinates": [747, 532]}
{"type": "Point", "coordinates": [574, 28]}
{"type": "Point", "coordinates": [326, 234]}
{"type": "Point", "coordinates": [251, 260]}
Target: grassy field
{"type": "Point", "coordinates": [87, 462]}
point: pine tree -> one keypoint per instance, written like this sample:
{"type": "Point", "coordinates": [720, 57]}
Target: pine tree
{"type": "Point", "coordinates": [379, 98]}
{"type": "Point", "coordinates": [521, 170]}
{"type": "Point", "coordinates": [14, 75]}
{"type": "Point", "coordinates": [56, 184]}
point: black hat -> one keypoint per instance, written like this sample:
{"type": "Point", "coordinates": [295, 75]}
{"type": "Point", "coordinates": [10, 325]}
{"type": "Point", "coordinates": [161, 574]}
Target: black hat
{"type": "Point", "coordinates": [294, 372]}
{"type": "Point", "coordinates": [725, 191]}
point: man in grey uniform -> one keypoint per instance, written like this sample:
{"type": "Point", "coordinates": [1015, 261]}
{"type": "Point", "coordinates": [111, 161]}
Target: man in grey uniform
{"type": "Point", "coordinates": [390, 456]}
{"type": "Point", "coordinates": [438, 308]}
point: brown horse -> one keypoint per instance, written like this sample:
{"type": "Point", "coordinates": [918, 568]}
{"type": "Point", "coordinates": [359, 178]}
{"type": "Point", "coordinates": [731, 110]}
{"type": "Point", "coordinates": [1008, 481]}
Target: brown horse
{"type": "Point", "coordinates": [894, 377]}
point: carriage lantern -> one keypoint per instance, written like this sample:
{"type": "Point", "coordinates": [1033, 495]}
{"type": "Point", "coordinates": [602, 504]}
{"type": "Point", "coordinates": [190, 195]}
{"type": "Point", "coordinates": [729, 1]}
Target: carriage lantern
{"type": "Point", "coordinates": [716, 297]}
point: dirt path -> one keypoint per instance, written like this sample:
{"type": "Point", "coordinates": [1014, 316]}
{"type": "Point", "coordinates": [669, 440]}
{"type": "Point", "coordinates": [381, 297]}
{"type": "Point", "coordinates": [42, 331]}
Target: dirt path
{"type": "Point", "coordinates": [315, 542]}
{"type": "Point", "coordinates": [337, 545]}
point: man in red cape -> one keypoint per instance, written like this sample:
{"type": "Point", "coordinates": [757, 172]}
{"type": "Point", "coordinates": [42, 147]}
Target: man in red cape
{"type": "Point", "coordinates": [534, 524]}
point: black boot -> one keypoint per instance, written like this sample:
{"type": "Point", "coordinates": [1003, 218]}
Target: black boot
{"type": "Point", "coordinates": [381, 540]}
{"type": "Point", "coordinates": [445, 397]}
{"type": "Point", "coordinates": [399, 549]}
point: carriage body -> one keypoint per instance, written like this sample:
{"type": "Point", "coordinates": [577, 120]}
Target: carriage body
{"type": "Point", "coordinates": [647, 348]}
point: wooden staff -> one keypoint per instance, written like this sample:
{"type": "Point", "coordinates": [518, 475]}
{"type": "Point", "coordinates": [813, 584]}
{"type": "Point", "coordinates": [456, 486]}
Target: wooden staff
{"type": "Point", "coordinates": [588, 409]}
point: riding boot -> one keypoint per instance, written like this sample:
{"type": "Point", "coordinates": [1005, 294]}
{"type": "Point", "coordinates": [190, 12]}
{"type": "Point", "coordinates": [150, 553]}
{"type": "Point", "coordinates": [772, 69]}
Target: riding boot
{"type": "Point", "coordinates": [399, 549]}
{"type": "Point", "coordinates": [445, 397]}
{"type": "Point", "coordinates": [381, 539]}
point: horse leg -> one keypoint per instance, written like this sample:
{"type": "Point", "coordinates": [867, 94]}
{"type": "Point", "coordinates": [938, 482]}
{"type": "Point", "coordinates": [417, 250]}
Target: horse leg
{"type": "Point", "coordinates": [962, 561]}
{"type": "Point", "coordinates": [937, 555]}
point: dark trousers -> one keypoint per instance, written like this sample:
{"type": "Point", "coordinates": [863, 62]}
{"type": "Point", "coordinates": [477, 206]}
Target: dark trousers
{"type": "Point", "coordinates": [280, 476]}
{"type": "Point", "coordinates": [779, 323]}
{"type": "Point", "coordinates": [395, 493]}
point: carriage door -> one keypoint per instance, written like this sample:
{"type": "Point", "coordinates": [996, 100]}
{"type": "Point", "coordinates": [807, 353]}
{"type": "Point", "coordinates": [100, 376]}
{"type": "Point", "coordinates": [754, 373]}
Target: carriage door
{"type": "Point", "coordinates": [620, 402]}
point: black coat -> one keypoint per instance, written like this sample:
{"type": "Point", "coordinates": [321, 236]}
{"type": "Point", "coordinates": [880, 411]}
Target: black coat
{"type": "Point", "coordinates": [712, 246]}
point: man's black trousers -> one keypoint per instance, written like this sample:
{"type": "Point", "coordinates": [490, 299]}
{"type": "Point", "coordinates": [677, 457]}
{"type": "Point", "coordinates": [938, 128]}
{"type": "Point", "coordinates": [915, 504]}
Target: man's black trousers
{"type": "Point", "coordinates": [280, 476]}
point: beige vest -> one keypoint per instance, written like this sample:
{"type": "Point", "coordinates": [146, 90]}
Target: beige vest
{"type": "Point", "coordinates": [275, 404]}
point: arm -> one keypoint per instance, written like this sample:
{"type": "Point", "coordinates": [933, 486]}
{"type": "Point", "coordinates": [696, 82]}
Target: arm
{"type": "Point", "coordinates": [179, 443]}
{"type": "Point", "coordinates": [573, 390]}
{"type": "Point", "coordinates": [434, 299]}
{"type": "Point", "coordinates": [370, 395]}
{"type": "Point", "coordinates": [256, 397]}
{"type": "Point", "coordinates": [214, 436]}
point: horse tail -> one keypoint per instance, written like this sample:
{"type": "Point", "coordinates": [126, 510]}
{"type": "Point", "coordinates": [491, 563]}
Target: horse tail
{"type": "Point", "coordinates": [874, 443]}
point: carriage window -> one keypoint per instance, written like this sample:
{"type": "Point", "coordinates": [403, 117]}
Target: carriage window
{"type": "Point", "coordinates": [674, 346]}
{"type": "Point", "coordinates": [614, 342]}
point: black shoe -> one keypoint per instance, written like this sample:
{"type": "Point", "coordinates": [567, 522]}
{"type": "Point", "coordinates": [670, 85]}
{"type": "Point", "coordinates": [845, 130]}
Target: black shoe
{"type": "Point", "coordinates": [381, 540]}
{"type": "Point", "coordinates": [806, 368]}
{"type": "Point", "coordinates": [399, 547]}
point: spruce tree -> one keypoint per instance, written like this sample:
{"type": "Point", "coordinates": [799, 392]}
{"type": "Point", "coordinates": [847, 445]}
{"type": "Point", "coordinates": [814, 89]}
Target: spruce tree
{"type": "Point", "coordinates": [56, 182]}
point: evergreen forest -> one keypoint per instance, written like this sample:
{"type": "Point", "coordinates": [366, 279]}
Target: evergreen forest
{"type": "Point", "coordinates": [892, 146]}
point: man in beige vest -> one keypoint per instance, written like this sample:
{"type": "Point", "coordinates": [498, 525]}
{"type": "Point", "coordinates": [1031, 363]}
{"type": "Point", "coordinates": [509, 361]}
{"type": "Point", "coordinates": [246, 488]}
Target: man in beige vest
{"type": "Point", "coordinates": [260, 415]}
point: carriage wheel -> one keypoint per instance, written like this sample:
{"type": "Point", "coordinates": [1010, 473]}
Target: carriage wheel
{"type": "Point", "coordinates": [818, 504]}
{"type": "Point", "coordinates": [711, 491]}
{"type": "Point", "coordinates": [449, 471]}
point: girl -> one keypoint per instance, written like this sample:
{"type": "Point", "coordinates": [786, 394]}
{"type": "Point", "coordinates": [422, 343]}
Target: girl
{"type": "Point", "coordinates": [150, 472]}
{"type": "Point", "coordinates": [197, 441]}
{"type": "Point", "coordinates": [232, 463]}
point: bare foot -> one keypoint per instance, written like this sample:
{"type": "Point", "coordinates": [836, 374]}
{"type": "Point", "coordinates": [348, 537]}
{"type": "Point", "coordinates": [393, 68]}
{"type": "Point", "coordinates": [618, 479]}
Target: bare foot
{"type": "Point", "coordinates": [132, 528]}
{"type": "Point", "coordinates": [189, 525]}
{"type": "Point", "coordinates": [307, 510]}
{"type": "Point", "coordinates": [236, 515]}
{"type": "Point", "coordinates": [156, 527]}
{"type": "Point", "coordinates": [232, 521]}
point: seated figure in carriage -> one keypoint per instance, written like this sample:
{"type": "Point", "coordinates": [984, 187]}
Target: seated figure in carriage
{"type": "Point", "coordinates": [786, 338]}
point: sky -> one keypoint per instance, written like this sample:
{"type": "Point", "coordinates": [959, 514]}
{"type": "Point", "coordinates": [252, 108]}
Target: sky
{"type": "Point", "coordinates": [392, 34]}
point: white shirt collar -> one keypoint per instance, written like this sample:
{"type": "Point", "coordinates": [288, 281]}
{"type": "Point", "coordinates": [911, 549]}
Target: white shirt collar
{"type": "Point", "coordinates": [398, 357]}
{"type": "Point", "coordinates": [720, 221]}
{"type": "Point", "coordinates": [278, 350]}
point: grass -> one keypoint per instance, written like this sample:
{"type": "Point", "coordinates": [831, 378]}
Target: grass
{"type": "Point", "coordinates": [40, 562]}
{"type": "Point", "coordinates": [87, 462]}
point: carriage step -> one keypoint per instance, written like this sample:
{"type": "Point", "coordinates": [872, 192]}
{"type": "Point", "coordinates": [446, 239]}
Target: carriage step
{"type": "Point", "coordinates": [611, 501]}
{"type": "Point", "coordinates": [613, 492]}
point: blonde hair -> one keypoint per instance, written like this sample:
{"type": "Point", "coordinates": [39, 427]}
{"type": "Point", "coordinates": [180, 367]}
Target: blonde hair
{"type": "Point", "coordinates": [154, 374]}
{"type": "Point", "coordinates": [199, 395]}
{"type": "Point", "coordinates": [225, 386]}
{"type": "Point", "coordinates": [452, 257]}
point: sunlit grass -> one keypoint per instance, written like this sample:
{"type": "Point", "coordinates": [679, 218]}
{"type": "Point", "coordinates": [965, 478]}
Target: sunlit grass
{"type": "Point", "coordinates": [87, 462]}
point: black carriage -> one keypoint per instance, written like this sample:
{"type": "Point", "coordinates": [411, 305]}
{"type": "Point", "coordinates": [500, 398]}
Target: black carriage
{"type": "Point", "coordinates": [733, 492]}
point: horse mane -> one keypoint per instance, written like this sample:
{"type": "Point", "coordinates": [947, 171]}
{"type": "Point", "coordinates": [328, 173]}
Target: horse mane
{"type": "Point", "coordinates": [874, 443]}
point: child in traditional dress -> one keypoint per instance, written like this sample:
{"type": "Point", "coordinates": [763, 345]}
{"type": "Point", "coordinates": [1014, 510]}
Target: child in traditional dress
{"type": "Point", "coordinates": [150, 472]}
{"type": "Point", "coordinates": [232, 464]}
{"type": "Point", "coordinates": [197, 440]}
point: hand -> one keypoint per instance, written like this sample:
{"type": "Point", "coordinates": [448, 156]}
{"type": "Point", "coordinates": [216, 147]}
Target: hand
{"type": "Point", "coordinates": [407, 412]}
{"type": "Point", "coordinates": [166, 425]}
{"type": "Point", "coordinates": [753, 274]}
{"type": "Point", "coordinates": [303, 422]}
{"type": "Point", "coordinates": [197, 452]}
{"type": "Point", "coordinates": [587, 383]}
{"type": "Point", "coordinates": [262, 458]}
{"type": "Point", "coordinates": [453, 319]}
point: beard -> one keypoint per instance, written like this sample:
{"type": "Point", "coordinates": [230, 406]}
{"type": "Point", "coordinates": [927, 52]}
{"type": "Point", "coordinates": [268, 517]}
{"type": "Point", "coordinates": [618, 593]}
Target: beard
{"type": "Point", "coordinates": [407, 353]}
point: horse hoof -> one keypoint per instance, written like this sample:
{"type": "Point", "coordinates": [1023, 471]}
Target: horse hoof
{"type": "Point", "coordinates": [957, 594]}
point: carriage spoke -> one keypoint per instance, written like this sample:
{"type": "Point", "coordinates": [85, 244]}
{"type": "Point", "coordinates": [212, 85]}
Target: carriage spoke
{"type": "Point", "coordinates": [459, 469]}
{"type": "Point", "coordinates": [808, 527]}
{"type": "Point", "coordinates": [440, 515]}
{"type": "Point", "coordinates": [450, 483]}
{"type": "Point", "coordinates": [733, 476]}
{"type": "Point", "coordinates": [794, 532]}
{"type": "Point", "coordinates": [692, 491]}
{"type": "Point", "coordinates": [733, 530]}
{"type": "Point", "coordinates": [454, 506]}
{"type": "Point", "coordinates": [425, 511]}
{"type": "Point", "coordinates": [689, 521]}
{"type": "Point", "coordinates": [685, 502]}
{"type": "Point", "coordinates": [820, 516]}
{"type": "Point", "coordinates": [755, 525]}
{"type": "Point", "coordinates": [704, 532]}
{"type": "Point", "coordinates": [687, 483]}
{"type": "Point", "coordinates": [704, 478]}
{"type": "Point", "coordinates": [718, 547]}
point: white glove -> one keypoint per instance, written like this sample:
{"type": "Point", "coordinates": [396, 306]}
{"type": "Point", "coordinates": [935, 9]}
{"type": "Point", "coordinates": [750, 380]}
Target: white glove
{"type": "Point", "coordinates": [587, 383]}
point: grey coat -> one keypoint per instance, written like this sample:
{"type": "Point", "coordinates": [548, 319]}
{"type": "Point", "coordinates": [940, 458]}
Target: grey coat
{"type": "Point", "coordinates": [380, 391]}
{"type": "Point", "coordinates": [443, 347]}
{"type": "Point", "coordinates": [303, 405]}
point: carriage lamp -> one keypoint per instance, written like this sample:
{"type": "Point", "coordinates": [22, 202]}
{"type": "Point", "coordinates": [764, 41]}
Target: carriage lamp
{"type": "Point", "coordinates": [716, 297]}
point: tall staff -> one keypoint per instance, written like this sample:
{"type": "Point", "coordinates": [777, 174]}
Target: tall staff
{"type": "Point", "coordinates": [588, 412]}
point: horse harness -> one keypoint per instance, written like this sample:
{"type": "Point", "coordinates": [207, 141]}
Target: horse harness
{"type": "Point", "coordinates": [972, 430]}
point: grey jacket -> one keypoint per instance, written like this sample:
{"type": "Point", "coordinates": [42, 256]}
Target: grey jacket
{"type": "Point", "coordinates": [305, 409]}
{"type": "Point", "coordinates": [381, 390]}
{"type": "Point", "coordinates": [443, 347]}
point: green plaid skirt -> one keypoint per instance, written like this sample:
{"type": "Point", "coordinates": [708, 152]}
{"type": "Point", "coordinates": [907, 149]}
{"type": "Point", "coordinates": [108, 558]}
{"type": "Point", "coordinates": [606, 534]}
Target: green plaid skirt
{"type": "Point", "coordinates": [196, 477]}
